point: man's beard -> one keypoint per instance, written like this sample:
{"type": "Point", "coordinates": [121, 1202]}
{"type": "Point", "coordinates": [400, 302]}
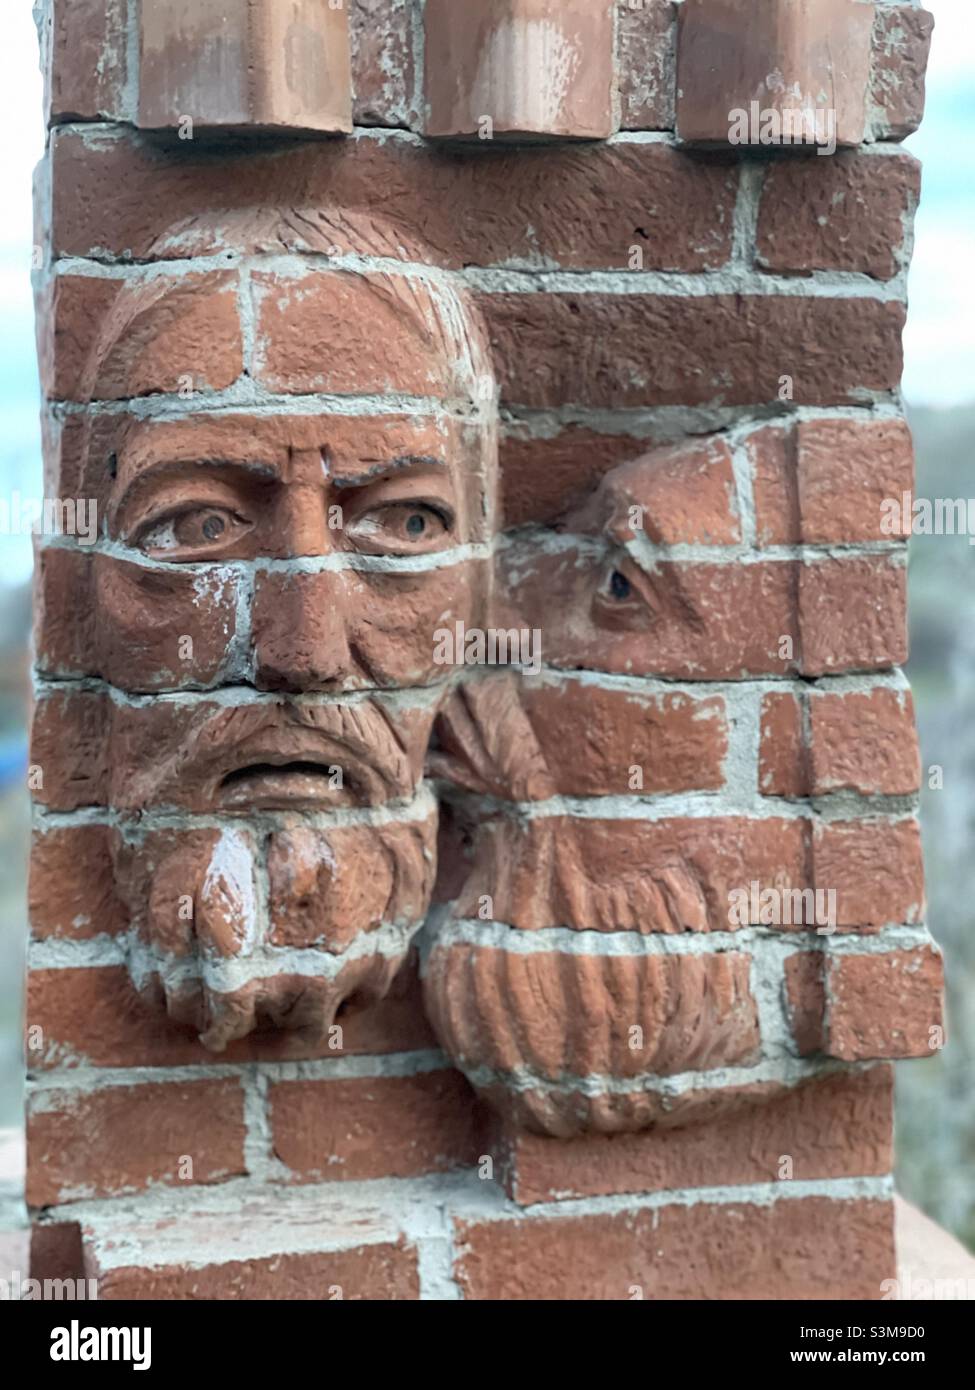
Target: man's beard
{"type": "Point", "coordinates": [283, 861]}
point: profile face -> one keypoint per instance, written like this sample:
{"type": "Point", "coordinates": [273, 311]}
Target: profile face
{"type": "Point", "coordinates": [277, 845]}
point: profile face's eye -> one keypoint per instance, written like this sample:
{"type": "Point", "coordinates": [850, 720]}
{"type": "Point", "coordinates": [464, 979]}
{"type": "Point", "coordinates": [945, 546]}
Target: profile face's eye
{"type": "Point", "coordinates": [194, 531]}
{"type": "Point", "coordinates": [402, 528]}
{"type": "Point", "coordinates": [624, 598]}
{"type": "Point", "coordinates": [620, 587]}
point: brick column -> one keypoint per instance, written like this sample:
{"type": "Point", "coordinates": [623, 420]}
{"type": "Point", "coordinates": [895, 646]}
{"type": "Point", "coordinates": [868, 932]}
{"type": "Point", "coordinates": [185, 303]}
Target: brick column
{"type": "Point", "coordinates": [588, 983]}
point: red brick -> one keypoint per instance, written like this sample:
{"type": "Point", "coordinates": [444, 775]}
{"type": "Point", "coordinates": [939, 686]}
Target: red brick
{"type": "Point", "coordinates": [847, 213]}
{"type": "Point", "coordinates": [107, 339]}
{"type": "Point", "coordinates": [833, 1127]}
{"type": "Point", "coordinates": [86, 68]}
{"type": "Point", "coordinates": [901, 44]}
{"type": "Point", "coordinates": [69, 750]}
{"type": "Point", "coordinates": [846, 469]}
{"type": "Point", "coordinates": [64, 618]}
{"type": "Point", "coordinates": [805, 1000]}
{"type": "Point", "coordinates": [374, 1127]}
{"type": "Point", "coordinates": [782, 756]}
{"type": "Point", "coordinates": [876, 868]}
{"type": "Point", "coordinates": [861, 741]}
{"type": "Point", "coordinates": [92, 1016]}
{"type": "Point", "coordinates": [127, 1138]}
{"type": "Point", "coordinates": [885, 1005]}
{"type": "Point", "coordinates": [824, 1248]}
{"type": "Point", "coordinates": [865, 743]}
{"type": "Point", "coordinates": [772, 457]}
{"type": "Point", "coordinates": [245, 63]}
{"type": "Point", "coordinates": [646, 349]}
{"type": "Point", "coordinates": [464, 207]}
{"type": "Point", "coordinates": [381, 1272]}
{"type": "Point", "coordinates": [733, 52]}
{"type": "Point", "coordinates": [646, 59]}
{"type": "Point", "coordinates": [531, 67]}
{"type": "Point", "coordinates": [543, 478]}
{"type": "Point", "coordinates": [823, 482]}
{"type": "Point", "coordinates": [852, 615]}
{"type": "Point", "coordinates": [383, 69]}
{"type": "Point", "coordinates": [520, 740]}
{"type": "Point", "coordinates": [338, 332]}
{"type": "Point", "coordinates": [71, 891]}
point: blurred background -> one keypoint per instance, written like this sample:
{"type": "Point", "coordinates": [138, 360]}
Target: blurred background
{"type": "Point", "coordinates": [936, 1097]}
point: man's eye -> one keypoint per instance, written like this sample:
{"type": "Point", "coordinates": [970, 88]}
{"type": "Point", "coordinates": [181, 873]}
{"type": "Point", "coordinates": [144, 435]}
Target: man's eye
{"type": "Point", "coordinates": [407, 525]}
{"type": "Point", "coordinates": [197, 528]}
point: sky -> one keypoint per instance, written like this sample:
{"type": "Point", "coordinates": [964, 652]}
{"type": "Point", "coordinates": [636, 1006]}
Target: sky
{"type": "Point", "coordinates": [939, 341]}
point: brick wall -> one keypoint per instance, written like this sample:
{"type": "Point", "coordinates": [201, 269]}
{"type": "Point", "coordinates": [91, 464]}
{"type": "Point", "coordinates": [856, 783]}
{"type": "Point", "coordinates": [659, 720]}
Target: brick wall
{"type": "Point", "coordinates": [675, 477]}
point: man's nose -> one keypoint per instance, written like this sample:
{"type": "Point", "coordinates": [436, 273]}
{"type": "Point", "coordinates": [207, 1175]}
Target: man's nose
{"type": "Point", "coordinates": [300, 522]}
{"type": "Point", "coordinates": [300, 631]}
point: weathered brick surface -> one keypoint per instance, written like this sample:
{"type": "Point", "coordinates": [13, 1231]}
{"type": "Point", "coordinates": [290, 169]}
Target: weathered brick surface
{"type": "Point", "coordinates": [646, 743]}
{"type": "Point", "coordinates": [531, 69]}
{"type": "Point", "coordinates": [649, 349]}
{"type": "Point", "coordinates": [825, 481]}
{"type": "Point", "coordinates": [886, 1005]}
{"type": "Point", "coordinates": [670, 875]}
{"type": "Point", "coordinates": [876, 869]}
{"type": "Point", "coordinates": [87, 60]}
{"type": "Point", "coordinates": [647, 47]}
{"type": "Point", "coordinates": [871, 595]}
{"type": "Point", "coordinates": [380, 1272]}
{"type": "Point", "coordinates": [849, 216]}
{"type": "Point", "coordinates": [464, 206]}
{"type": "Point", "coordinates": [245, 64]}
{"type": "Point", "coordinates": [71, 892]}
{"type": "Point", "coordinates": [864, 742]}
{"type": "Point", "coordinates": [383, 1126]}
{"type": "Point", "coordinates": [682, 621]}
{"type": "Point", "coordinates": [901, 43]}
{"type": "Point", "coordinates": [782, 756]}
{"type": "Point", "coordinates": [689, 1012]}
{"type": "Point", "coordinates": [731, 52]}
{"type": "Point", "coordinates": [843, 1249]}
{"type": "Point", "coordinates": [862, 1007]}
{"type": "Point", "coordinates": [127, 1138]}
{"type": "Point", "coordinates": [834, 1127]}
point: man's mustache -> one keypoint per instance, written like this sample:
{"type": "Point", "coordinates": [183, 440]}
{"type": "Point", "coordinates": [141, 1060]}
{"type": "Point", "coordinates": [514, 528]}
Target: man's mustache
{"type": "Point", "coordinates": [366, 752]}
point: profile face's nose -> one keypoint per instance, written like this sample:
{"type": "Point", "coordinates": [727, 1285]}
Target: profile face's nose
{"type": "Point", "coordinates": [300, 631]}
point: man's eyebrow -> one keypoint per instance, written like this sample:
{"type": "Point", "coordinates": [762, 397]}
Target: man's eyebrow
{"type": "Point", "coordinates": [142, 472]}
{"type": "Point", "coordinates": [384, 468]}
{"type": "Point", "coordinates": [140, 466]}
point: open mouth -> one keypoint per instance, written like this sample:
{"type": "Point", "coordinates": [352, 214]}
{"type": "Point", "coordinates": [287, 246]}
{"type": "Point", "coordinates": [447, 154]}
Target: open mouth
{"type": "Point", "coordinates": [300, 783]}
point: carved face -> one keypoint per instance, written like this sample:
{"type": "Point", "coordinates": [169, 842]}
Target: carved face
{"type": "Point", "coordinates": [276, 844]}
{"type": "Point", "coordinates": [568, 980]}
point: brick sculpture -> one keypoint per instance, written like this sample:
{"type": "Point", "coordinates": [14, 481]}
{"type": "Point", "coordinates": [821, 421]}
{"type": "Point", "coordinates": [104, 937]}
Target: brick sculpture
{"type": "Point", "coordinates": [475, 850]}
